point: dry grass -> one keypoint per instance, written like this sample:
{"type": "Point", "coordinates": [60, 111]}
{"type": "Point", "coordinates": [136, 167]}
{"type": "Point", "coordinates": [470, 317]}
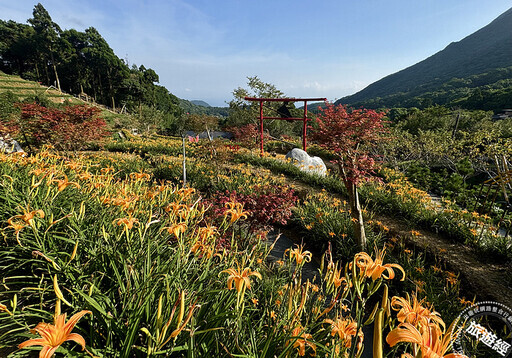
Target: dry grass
{"type": "Point", "coordinates": [23, 88]}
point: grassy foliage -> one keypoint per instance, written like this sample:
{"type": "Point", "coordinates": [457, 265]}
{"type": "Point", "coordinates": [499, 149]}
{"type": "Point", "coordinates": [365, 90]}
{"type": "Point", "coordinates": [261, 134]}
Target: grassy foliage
{"type": "Point", "coordinates": [99, 232]}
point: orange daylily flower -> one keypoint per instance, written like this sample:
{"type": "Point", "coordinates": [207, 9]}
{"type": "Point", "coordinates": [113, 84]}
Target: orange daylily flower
{"type": "Point", "coordinates": [129, 222]}
{"type": "Point", "coordinates": [64, 183]}
{"type": "Point", "coordinates": [375, 268]}
{"type": "Point", "coordinates": [85, 176]}
{"type": "Point", "coordinates": [28, 216]}
{"type": "Point", "coordinates": [465, 302]}
{"type": "Point", "coordinates": [411, 311]}
{"type": "Point", "coordinates": [176, 229]}
{"type": "Point", "coordinates": [302, 342]}
{"type": "Point", "coordinates": [38, 171]}
{"type": "Point", "coordinates": [452, 281]}
{"type": "Point", "coordinates": [186, 192]}
{"type": "Point", "coordinates": [299, 255]}
{"type": "Point", "coordinates": [17, 226]}
{"type": "Point", "coordinates": [236, 210]}
{"type": "Point", "coordinates": [139, 176]}
{"type": "Point", "coordinates": [430, 341]}
{"type": "Point", "coordinates": [203, 249]}
{"type": "Point", "coordinates": [345, 329]}
{"type": "Point", "coordinates": [240, 278]}
{"type": "Point", "coordinates": [125, 202]}
{"type": "Point", "coordinates": [242, 281]}
{"type": "Point", "coordinates": [207, 231]}
{"type": "Point", "coordinates": [54, 335]}
{"type": "Point", "coordinates": [181, 210]}
{"type": "Point", "coordinates": [73, 165]}
{"type": "Point", "coordinates": [107, 170]}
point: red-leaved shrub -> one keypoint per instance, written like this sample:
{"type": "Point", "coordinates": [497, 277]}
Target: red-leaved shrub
{"type": "Point", "coordinates": [249, 134]}
{"type": "Point", "coordinates": [265, 205]}
{"type": "Point", "coordinates": [68, 129]}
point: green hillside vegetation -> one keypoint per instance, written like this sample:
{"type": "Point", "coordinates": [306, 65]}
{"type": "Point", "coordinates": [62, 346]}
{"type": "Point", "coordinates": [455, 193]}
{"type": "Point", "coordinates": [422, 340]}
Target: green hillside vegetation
{"type": "Point", "coordinates": [116, 236]}
{"type": "Point", "coordinates": [195, 108]}
{"type": "Point", "coordinates": [24, 89]}
{"type": "Point", "coordinates": [200, 103]}
{"type": "Point", "coordinates": [474, 73]}
{"type": "Point", "coordinates": [161, 246]}
{"type": "Point", "coordinates": [111, 227]}
{"type": "Point", "coordinates": [15, 90]}
{"type": "Point", "coordinates": [81, 63]}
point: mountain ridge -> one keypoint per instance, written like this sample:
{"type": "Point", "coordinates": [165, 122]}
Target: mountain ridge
{"type": "Point", "coordinates": [487, 49]}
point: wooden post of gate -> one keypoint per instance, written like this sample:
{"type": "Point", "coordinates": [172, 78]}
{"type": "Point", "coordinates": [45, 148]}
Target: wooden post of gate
{"type": "Point", "coordinates": [305, 126]}
{"type": "Point", "coordinates": [285, 100]}
{"type": "Point", "coordinates": [261, 127]}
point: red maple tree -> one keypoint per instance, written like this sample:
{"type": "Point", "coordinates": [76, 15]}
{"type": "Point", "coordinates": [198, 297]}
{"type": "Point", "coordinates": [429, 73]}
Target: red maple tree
{"type": "Point", "coordinates": [350, 135]}
{"type": "Point", "coordinates": [70, 128]}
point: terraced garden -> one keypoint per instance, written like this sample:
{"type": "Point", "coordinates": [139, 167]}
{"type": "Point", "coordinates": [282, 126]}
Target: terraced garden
{"type": "Point", "coordinates": [107, 231]}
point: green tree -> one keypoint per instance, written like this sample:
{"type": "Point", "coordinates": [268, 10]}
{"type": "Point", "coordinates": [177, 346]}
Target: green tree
{"type": "Point", "coordinates": [49, 45]}
{"type": "Point", "coordinates": [106, 71]}
{"type": "Point", "coordinates": [17, 48]}
{"type": "Point", "coordinates": [242, 112]}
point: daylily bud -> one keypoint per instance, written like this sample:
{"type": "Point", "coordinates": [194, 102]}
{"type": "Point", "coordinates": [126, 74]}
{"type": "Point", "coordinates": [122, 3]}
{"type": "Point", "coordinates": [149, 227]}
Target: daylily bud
{"type": "Point", "coordinates": [182, 308]}
{"type": "Point", "coordinates": [73, 255]}
{"type": "Point", "coordinates": [58, 292]}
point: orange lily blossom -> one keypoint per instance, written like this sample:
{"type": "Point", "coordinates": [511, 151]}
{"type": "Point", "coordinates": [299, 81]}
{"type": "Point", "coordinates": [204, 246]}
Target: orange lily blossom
{"type": "Point", "coordinates": [430, 340]}
{"type": "Point", "coordinates": [302, 341]}
{"type": "Point", "coordinates": [299, 254]}
{"type": "Point", "coordinates": [85, 176]}
{"type": "Point", "coordinates": [54, 335]}
{"type": "Point", "coordinates": [28, 216]}
{"type": "Point", "coordinates": [345, 329]}
{"type": "Point", "coordinates": [411, 311]}
{"type": "Point", "coordinates": [241, 278]}
{"type": "Point", "coordinates": [129, 222]}
{"type": "Point", "coordinates": [206, 232]}
{"type": "Point", "coordinates": [242, 281]}
{"type": "Point", "coordinates": [176, 229]}
{"type": "Point", "coordinates": [236, 210]}
{"type": "Point", "coordinates": [375, 268]}
{"type": "Point", "coordinates": [139, 176]}
{"type": "Point", "coordinates": [202, 248]}
{"type": "Point", "coordinates": [64, 183]}
{"type": "Point", "coordinates": [15, 225]}
{"type": "Point", "coordinates": [186, 192]}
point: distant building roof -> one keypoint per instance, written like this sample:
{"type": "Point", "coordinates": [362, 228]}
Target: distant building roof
{"type": "Point", "coordinates": [504, 114]}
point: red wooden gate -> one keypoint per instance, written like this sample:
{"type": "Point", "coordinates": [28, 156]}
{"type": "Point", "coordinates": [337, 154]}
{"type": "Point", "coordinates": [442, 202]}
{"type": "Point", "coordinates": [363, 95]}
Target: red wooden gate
{"type": "Point", "coordinates": [285, 100]}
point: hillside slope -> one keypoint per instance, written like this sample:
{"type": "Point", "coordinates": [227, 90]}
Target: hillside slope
{"type": "Point", "coordinates": [484, 51]}
{"type": "Point", "coordinates": [24, 88]}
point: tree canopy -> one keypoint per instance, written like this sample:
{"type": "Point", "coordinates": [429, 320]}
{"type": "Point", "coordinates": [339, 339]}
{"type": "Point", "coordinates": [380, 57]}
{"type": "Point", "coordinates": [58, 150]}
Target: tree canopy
{"type": "Point", "coordinates": [80, 62]}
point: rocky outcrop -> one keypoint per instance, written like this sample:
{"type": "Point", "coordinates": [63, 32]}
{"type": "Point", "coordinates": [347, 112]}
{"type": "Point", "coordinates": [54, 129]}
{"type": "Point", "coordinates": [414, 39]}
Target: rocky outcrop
{"type": "Point", "coordinates": [302, 160]}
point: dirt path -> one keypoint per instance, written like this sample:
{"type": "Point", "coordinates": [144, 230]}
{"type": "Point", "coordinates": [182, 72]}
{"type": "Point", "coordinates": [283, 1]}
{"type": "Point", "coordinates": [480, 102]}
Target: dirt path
{"type": "Point", "coordinates": [481, 278]}
{"type": "Point", "coordinates": [485, 280]}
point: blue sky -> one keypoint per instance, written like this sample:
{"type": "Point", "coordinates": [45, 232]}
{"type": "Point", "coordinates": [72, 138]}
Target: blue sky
{"type": "Point", "coordinates": [203, 49]}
